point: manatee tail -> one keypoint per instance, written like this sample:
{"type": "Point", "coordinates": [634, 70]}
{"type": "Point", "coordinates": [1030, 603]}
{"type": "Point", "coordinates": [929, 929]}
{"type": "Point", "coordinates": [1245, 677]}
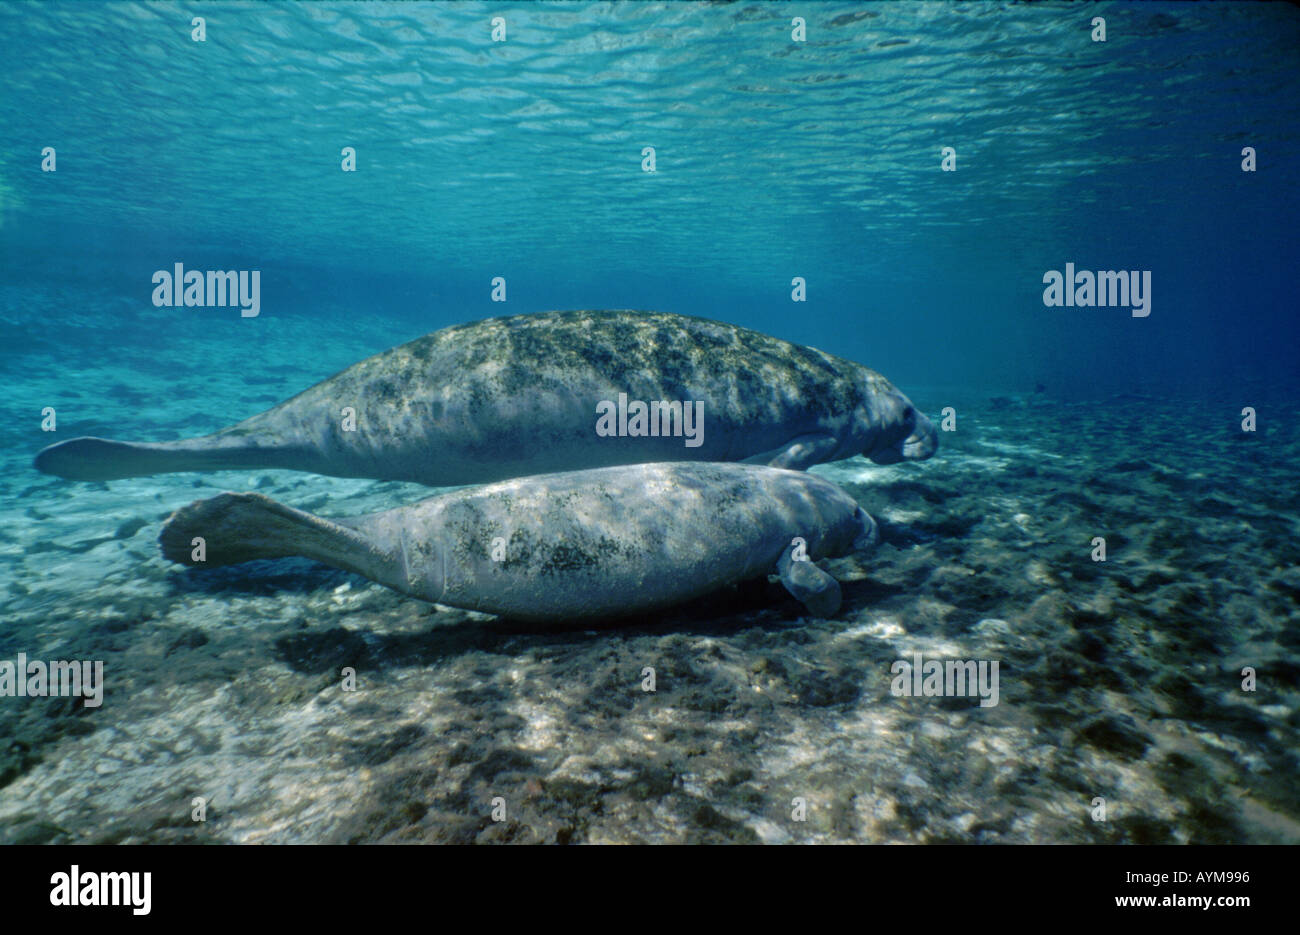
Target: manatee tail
{"type": "Point", "coordinates": [102, 459]}
{"type": "Point", "coordinates": [241, 527]}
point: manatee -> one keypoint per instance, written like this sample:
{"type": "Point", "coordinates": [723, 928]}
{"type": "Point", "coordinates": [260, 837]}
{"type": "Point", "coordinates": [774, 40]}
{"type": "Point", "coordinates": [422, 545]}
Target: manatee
{"type": "Point", "coordinates": [509, 397]}
{"type": "Point", "coordinates": [598, 543]}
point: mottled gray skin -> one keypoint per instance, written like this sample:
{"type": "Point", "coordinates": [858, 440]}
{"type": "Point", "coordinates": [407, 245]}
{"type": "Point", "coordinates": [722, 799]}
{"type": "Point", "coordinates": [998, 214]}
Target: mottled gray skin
{"type": "Point", "coordinates": [583, 544]}
{"type": "Point", "coordinates": [509, 397]}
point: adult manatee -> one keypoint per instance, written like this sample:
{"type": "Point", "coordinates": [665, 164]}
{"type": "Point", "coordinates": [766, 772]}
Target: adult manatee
{"type": "Point", "coordinates": [531, 394]}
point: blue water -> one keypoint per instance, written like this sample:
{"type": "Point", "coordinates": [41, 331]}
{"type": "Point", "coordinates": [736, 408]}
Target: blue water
{"type": "Point", "coordinates": [774, 159]}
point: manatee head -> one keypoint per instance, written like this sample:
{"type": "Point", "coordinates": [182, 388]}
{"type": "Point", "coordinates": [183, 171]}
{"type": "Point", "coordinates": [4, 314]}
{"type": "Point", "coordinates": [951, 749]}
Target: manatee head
{"type": "Point", "coordinates": [896, 430]}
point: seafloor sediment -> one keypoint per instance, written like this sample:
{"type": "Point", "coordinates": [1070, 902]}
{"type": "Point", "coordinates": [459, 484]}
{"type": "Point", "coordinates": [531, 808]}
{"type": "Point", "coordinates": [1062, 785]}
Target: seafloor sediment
{"type": "Point", "coordinates": [1119, 680]}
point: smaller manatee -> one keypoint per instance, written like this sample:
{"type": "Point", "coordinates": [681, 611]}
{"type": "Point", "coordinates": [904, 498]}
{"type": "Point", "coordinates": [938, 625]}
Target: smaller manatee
{"type": "Point", "coordinates": [604, 542]}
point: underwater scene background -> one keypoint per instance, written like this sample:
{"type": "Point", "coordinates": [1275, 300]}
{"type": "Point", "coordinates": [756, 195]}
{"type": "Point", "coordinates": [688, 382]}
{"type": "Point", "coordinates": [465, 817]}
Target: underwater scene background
{"type": "Point", "coordinates": [780, 152]}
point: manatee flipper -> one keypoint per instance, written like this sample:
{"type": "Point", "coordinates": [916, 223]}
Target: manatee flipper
{"type": "Point", "coordinates": [798, 454]}
{"type": "Point", "coordinates": [100, 459]}
{"type": "Point", "coordinates": [815, 589]}
{"type": "Point", "coordinates": [241, 527]}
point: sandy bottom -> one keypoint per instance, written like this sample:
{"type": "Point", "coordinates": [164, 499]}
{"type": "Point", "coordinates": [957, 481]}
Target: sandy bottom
{"type": "Point", "coordinates": [1120, 680]}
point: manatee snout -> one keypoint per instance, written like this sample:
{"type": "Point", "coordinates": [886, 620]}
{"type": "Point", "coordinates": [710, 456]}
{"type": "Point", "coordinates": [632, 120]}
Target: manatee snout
{"type": "Point", "coordinates": [917, 436]}
{"type": "Point", "coordinates": [868, 533]}
{"type": "Point", "coordinates": [924, 440]}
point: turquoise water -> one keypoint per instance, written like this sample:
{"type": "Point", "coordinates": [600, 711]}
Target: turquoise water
{"type": "Point", "coordinates": [774, 159]}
